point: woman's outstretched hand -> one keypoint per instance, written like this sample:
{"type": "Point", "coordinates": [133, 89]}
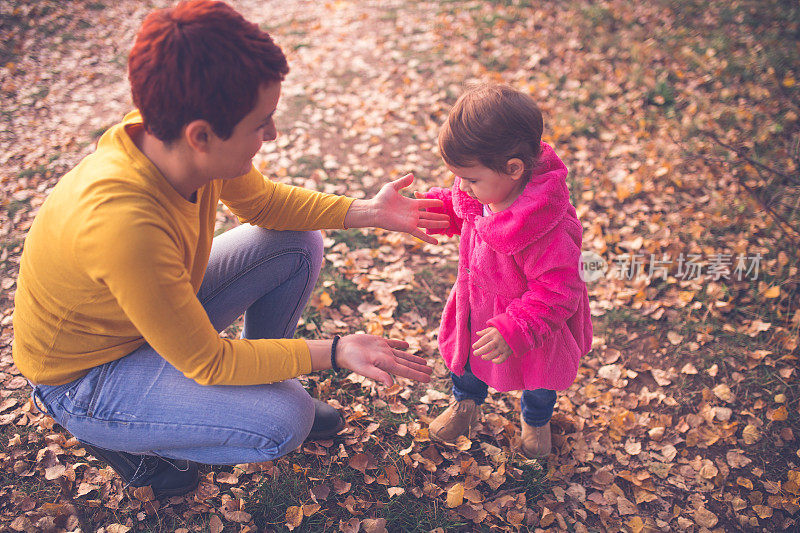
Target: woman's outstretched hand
{"type": "Point", "coordinates": [378, 358]}
{"type": "Point", "coordinates": [392, 211]}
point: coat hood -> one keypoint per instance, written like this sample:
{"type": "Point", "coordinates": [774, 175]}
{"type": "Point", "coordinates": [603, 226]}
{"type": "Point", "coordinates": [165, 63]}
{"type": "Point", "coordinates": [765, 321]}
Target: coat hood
{"type": "Point", "coordinates": [542, 204]}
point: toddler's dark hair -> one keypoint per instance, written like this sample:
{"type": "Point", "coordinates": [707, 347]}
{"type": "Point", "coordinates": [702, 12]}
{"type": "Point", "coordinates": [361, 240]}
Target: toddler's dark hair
{"type": "Point", "coordinates": [490, 124]}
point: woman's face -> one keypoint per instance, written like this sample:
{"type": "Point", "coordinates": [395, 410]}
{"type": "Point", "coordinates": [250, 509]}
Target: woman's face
{"type": "Point", "coordinates": [234, 156]}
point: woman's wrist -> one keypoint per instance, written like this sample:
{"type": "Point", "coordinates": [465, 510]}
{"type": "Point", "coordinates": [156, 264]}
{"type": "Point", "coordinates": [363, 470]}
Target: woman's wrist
{"type": "Point", "coordinates": [320, 352]}
{"type": "Point", "coordinates": [361, 214]}
{"type": "Point", "coordinates": [334, 343]}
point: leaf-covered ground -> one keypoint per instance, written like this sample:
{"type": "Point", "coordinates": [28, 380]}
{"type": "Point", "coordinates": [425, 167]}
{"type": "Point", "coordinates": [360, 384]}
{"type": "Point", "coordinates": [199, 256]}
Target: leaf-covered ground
{"type": "Point", "coordinates": [679, 123]}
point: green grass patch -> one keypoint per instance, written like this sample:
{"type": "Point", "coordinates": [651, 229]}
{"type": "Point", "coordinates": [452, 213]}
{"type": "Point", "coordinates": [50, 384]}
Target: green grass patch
{"type": "Point", "coordinates": [408, 514]}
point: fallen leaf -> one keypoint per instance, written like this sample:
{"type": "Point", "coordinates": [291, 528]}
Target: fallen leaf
{"type": "Point", "coordinates": [340, 486]}
{"type": "Point", "coordinates": [779, 415]}
{"type": "Point", "coordinates": [374, 525]}
{"type": "Point", "coordinates": [215, 524]}
{"type": "Point", "coordinates": [705, 518]}
{"type": "Point", "coordinates": [751, 434]}
{"type": "Point", "coordinates": [455, 495]}
{"type": "Point", "coordinates": [310, 508]}
{"type": "Point", "coordinates": [723, 392]}
{"type": "Point", "coordinates": [763, 511]}
{"type": "Point", "coordinates": [294, 517]}
{"type": "Point", "coordinates": [636, 524]}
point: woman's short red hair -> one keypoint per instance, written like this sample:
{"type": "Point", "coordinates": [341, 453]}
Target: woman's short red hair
{"type": "Point", "coordinates": [200, 60]}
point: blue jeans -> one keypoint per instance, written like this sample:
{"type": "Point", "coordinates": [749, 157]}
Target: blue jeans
{"type": "Point", "coordinates": [142, 404]}
{"type": "Point", "coordinates": [537, 405]}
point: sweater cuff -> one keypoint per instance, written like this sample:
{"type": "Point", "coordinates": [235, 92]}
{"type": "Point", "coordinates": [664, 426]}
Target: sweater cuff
{"type": "Point", "coordinates": [303, 356]}
{"type": "Point", "coordinates": [511, 334]}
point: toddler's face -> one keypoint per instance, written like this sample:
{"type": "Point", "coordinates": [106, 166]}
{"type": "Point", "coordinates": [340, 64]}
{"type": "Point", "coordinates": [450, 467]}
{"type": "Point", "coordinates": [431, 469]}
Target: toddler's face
{"type": "Point", "coordinates": [495, 189]}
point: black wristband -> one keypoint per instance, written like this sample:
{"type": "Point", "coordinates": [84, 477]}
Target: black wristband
{"type": "Point", "coordinates": [334, 366]}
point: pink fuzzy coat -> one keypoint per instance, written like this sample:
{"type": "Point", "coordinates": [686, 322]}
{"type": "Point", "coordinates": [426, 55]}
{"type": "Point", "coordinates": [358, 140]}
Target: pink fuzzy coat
{"type": "Point", "coordinates": [518, 271]}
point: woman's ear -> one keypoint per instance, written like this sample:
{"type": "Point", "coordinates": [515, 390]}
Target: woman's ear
{"type": "Point", "coordinates": [515, 168]}
{"type": "Point", "coordinates": [198, 134]}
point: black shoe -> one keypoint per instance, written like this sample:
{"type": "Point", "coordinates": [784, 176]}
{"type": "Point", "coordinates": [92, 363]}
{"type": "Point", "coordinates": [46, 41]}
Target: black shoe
{"type": "Point", "coordinates": [328, 421]}
{"type": "Point", "coordinates": [167, 477]}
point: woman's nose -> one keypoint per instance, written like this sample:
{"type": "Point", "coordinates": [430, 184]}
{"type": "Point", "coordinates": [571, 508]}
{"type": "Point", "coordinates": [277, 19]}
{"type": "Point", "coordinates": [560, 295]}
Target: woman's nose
{"type": "Point", "coordinates": [270, 133]}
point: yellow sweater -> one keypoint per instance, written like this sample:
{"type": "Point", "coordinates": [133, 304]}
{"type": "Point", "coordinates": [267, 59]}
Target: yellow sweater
{"type": "Point", "coordinates": [115, 258]}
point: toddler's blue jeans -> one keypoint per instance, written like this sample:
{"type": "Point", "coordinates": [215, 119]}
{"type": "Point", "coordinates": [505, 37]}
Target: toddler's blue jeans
{"type": "Point", "coordinates": [142, 404]}
{"type": "Point", "coordinates": [537, 405]}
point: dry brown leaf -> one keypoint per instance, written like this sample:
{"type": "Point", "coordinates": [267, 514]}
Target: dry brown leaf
{"type": "Point", "coordinates": [626, 506]}
{"type": "Point", "coordinates": [294, 517]}
{"type": "Point", "coordinates": [763, 511]}
{"type": "Point", "coordinates": [341, 486]}
{"type": "Point", "coordinates": [227, 478]}
{"type": "Point", "coordinates": [636, 524]}
{"type": "Point", "coordinates": [374, 525]}
{"type": "Point", "coordinates": [463, 443]}
{"type": "Point", "coordinates": [350, 526]}
{"type": "Point", "coordinates": [215, 524]}
{"type": "Point", "coordinates": [310, 508]}
{"type": "Point", "coordinates": [359, 462]}
{"type": "Point", "coordinates": [705, 518]}
{"type": "Point", "coordinates": [737, 459]}
{"type": "Point", "coordinates": [778, 415]}
{"type": "Point", "coordinates": [455, 495]}
{"type": "Point", "coordinates": [144, 494]}
{"type": "Point", "coordinates": [751, 434]}
{"type": "Point", "coordinates": [723, 392]}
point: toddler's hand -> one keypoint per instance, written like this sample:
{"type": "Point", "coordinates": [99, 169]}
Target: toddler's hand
{"type": "Point", "coordinates": [491, 346]}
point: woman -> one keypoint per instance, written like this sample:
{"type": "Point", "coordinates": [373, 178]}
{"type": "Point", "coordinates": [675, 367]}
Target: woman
{"type": "Point", "coordinates": [121, 293]}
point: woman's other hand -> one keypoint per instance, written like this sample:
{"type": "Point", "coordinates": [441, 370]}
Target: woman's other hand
{"type": "Point", "coordinates": [378, 358]}
{"type": "Point", "coordinates": [392, 211]}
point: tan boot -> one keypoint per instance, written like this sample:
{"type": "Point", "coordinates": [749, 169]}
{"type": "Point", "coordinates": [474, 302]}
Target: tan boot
{"type": "Point", "coordinates": [536, 442]}
{"type": "Point", "coordinates": [458, 419]}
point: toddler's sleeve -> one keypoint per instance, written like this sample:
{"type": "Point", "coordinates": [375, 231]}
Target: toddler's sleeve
{"type": "Point", "coordinates": [554, 291]}
{"type": "Point", "coordinates": [446, 196]}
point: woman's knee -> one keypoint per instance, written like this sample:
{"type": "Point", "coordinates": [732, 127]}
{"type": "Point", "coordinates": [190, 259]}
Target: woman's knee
{"type": "Point", "coordinates": [291, 421]}
{"type": "Point", "coordinates": [312, 243]}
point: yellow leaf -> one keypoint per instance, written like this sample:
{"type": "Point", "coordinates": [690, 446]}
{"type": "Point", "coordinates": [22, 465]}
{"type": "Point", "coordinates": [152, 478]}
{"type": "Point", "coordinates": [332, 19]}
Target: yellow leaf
{"type": "Point", "coordinates": [636, 524]}
{"type": "Point", "coordinates": [763, 511]}
{"type": "Point", "coordinates": [772, 292]}
{"type": "Point", "coordinates": [455, 495]}
{"type": "Point", "coordinates": [780, 414]}
{"type": "Point", "coordinates": [674, 338]}
{"type": "Point", "coordinates": [310, 508]}
{"type": "Point", "coordinates": [751, 434]}
{"type": "Point", "coordinates": [375, 328]}
{"type": "Point", "coordinates": [723, 392]}
{"type": "Point", "coordinates": [744, 482]}
{"type": "Point", "coordinates": [294, 517]}
{"type": "Point", "coordinates": [686, 296]}
{"type": "Point", "coordinates": [705, 518]}
{"type": "Point", "coordinates": [789, 81]}
{"type": "Point", "coordinates": [325, 300]}
{"type": "Point", "coordinates": [463, 443]}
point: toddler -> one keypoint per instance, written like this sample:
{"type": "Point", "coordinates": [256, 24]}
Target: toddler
{"type": "Point", "coordinates": [518, 315]}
